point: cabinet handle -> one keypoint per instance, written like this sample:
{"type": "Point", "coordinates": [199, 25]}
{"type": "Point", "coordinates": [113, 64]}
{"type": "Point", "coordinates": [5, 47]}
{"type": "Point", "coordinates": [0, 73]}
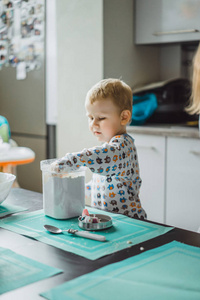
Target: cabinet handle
{"type": "Point", "coordinates": [158, 33]}
{"type": "Point", "coordinates": [195, 152]}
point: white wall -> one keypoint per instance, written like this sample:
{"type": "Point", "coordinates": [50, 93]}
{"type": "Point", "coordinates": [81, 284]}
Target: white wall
{"type": "Point", "coordinates": [95, 40]}
{"type": "Point", "coordinates": [136, 65]}
{"type": "Point", "coordinates": [80, 65]}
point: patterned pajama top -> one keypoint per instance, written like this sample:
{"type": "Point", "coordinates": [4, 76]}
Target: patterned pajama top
{"type": "Point", "coordinates": [116, 182]}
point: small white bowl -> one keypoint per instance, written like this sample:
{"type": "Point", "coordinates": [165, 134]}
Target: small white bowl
{"type": "Point", "coordinates": [6, 181]}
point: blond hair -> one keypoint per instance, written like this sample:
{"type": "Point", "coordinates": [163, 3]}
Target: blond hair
{"type": "Point", "coordinates": [116, 90]}
{"type": "Point", "coordinates": [194, 106]}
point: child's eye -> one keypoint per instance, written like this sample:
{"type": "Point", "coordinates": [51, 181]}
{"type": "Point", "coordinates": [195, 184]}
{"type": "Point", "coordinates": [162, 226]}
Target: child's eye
{"type": "Point", "coordinates": [103, 118]}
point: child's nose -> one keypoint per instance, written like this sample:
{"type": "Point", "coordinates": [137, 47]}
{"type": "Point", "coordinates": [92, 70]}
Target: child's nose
{"type": "Point", "coordinates": [95, 122]}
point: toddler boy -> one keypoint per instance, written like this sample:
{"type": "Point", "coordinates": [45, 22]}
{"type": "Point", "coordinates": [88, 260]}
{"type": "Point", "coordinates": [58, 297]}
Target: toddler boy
{"type": "Point", "coordinates": [116, 181]}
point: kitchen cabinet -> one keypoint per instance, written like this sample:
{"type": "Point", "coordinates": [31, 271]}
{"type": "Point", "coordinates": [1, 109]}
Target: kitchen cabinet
{"type": "Point", "coordinates": [167, 21]}
{"type": "Point", "coordinates": [151, 156]}
{"type": "Point", "coordinates": [182, 179]}
{"type": "Point", "coordinates": [169, 168]}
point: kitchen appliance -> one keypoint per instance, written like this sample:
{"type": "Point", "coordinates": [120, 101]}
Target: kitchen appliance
{"type": "Point", "coordinates": [23, 104]}
{"type": "Point", "coordinates": [28, 95]}
{"type": "Point", "coordinates": [172, 99]}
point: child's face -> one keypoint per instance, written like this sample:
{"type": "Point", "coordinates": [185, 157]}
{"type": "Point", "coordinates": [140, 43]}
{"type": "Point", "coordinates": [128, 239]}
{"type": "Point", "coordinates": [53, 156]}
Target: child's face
{"type": "Point", "coordinates": [104, 119]}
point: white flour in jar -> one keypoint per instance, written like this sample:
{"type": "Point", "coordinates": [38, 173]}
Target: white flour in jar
{"type": "Point", "coordinates": [63, 195]}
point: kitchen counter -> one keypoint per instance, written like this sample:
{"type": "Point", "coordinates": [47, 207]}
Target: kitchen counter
{"type": "Point", "coordinates": [166, 130]}
{"type": "Point", "coordinates": [71, 264]}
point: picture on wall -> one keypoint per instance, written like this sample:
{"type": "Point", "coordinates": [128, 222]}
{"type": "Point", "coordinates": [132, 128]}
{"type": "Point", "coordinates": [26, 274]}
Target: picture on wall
{"type": "Point", "coordinates": [22, 26]}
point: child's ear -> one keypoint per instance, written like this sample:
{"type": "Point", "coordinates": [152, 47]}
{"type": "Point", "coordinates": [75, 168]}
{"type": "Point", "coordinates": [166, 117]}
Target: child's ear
{"type": "Point", "coordinates": [125, 117]}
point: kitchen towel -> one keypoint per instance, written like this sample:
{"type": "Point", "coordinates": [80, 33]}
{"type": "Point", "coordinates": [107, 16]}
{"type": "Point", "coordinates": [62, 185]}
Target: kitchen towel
{"type": "Point", "coordinates": [171, 271]}
{"type": "Point", "coordinates": [17, 270]}
{"type": "Point", "coordinates": [7, 209]}
{"type": "Point", "coordinates": [124, 233]}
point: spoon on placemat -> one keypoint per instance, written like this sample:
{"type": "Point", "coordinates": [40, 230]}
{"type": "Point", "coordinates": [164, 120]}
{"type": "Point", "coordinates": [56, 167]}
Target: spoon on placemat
{"type": "Point", "coordinates": [84, 234]}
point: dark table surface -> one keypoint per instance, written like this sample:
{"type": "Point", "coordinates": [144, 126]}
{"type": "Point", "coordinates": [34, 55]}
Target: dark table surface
{"type": "Point", "coordinates": [72, 265]}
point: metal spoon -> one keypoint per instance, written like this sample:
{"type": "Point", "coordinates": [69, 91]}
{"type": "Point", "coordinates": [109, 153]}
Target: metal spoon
{"type": "Point", "coordinates": [84, 234]}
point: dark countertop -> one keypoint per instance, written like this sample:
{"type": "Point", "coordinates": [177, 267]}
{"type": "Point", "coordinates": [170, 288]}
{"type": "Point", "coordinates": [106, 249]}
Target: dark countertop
{"type": "Point", "coordinates": [73, 265]}
{"type": "Point", "coordinates": [166, 130]}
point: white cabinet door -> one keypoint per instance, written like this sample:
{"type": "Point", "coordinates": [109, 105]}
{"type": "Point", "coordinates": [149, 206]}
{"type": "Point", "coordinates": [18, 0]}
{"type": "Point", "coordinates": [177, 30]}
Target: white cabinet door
{"type": "Point", "coordinates": [183, 183]}
{"type": "Point", "coordinates": [151, 156]}
{"type": "Point", "coordinates": [167, 21]}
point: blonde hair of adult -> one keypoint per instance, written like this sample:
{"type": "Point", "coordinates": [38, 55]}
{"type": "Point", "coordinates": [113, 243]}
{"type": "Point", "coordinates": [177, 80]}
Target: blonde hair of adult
{"type": "Point", "coordinates": [194, 106]}
{"type": "Point", "coordinates": [116, 90]}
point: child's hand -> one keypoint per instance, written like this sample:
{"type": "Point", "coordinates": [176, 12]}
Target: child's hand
{"type": "Point", "coordinates": [55, 167]}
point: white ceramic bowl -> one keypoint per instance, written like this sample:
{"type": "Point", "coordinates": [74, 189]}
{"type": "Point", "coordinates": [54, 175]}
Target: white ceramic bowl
{"type": "Point", "coordinates": [6, 181]}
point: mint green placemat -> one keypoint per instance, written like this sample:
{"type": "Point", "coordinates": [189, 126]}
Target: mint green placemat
{"type": "Point", "coordinates": [17, 270]}
{"type": "Point", "coordinates": [169, 272]}
{"type": "Point", "coordinates": [7, 209]}
{"type": "Point", "coordinates": [124, 230]}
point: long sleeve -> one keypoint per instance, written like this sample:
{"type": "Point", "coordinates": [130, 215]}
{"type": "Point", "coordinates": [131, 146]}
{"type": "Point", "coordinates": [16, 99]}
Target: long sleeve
{"type": "Point", "coordinates": [108, 159]}
{"type": "Point", "coordinates": [116, 181]}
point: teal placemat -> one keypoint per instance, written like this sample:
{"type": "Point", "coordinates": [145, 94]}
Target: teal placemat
{"type": "Point", "coordinates": [7, 209]}
{"type": "Point", "coordinates": [168, 272]}
{"type": "Point", "coordinates": [17, 271]}
{"type": "Point", "coordinates": [124, 231]}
